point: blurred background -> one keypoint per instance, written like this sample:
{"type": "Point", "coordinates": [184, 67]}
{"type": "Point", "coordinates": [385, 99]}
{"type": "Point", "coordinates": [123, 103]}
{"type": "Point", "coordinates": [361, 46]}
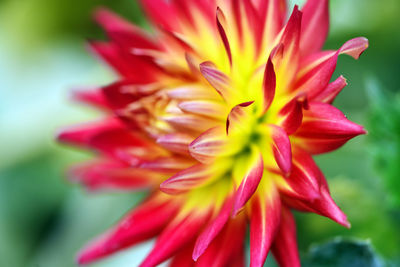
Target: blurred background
{"type": "Point", "coordinates": [44, 219]}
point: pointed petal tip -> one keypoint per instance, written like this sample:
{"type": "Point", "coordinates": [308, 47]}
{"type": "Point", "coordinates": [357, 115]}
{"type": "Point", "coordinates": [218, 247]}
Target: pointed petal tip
{"type": "Point", "coordinates": [186, 179]}
{"type": "Point", "coordinates": [165, 188]}
{"type": "Point", "coordinates": [61, 136]}
{"type": "Point", "coordinates": [359, 130]}
{"type": "Point", "coordinates": [90, 96]}
{"type": "Point", "coordinates": [206, 65]}
{"type": "Point", "coordinates": [355, 47]}
{"type": "Point", "coordinates": [246, 104]}
{"type": "Point", "coordinates": [248, 185]}
{"type": "Point", "coordinates": [85, 256]}
{"type": "Point", "coordinates": [196, 255]}
{"type": "Point", "coordinates": [282, 149]}
{"type": "Point", "coordinates": [269, 84]}
{"type": "Point", "coordinates": [237, 208]}
{"type": "Point", "coordinates": [100, 12]}
{"type": "Point", "coordinates": [217, 79]}
{"type": "Point", "coordinates": [198, 251]}
{"type": "Point", "coordinates": [339, 216]}
{"type": "Point", "coordinates": [82, 260]}
{"type": "Point", "coordinates": [297, 12]}
{"type": "Point", "coordinates": [344, 79]}
{"type": "Point", "coordinates": [221, 21]}
{"type": "Point", "coordinates": [66, 136]}
{"type": "Point", "coordinates": [206, 147]}
{"type": "Point", "coordinates": [236, 115]}
{"type": "Point", "coordinates": [170, 188]}
{"type": "Point", "coordinates": [342, 220]}
{"type": "Point", "coordinates": [354, 129]}
{"type": "Point", "coordinates": [363, 130]}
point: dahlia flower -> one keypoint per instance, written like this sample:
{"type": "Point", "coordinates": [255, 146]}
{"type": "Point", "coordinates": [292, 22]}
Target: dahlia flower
{"type": "Point", "coordinates": [217, 113]}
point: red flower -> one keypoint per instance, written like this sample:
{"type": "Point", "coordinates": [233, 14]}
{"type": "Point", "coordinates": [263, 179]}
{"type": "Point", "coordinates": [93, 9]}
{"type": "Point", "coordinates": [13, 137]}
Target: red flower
{"type": "Point", "coordinates": [219, 113]}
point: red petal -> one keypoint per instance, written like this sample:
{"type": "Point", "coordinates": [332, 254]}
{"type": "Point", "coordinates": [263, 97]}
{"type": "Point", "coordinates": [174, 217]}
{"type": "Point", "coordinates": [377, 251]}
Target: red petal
{"type": "Point", "coordinates": [249, 183]}
{"type": "Point", "coordinates": [272, 14]}
{"type": "Point", "coordinates": [178, 143]}
{"type": "Point", "coordinates": [161, 13]}
{"type": "Point", "coordinates": [291, 33]}
{"type": "Point", "coordinates": [221, 24]}
{"type": "Point", "coordinates": [324, 205]}
{"type": "Point", "coordinates": [237, 115]}
{"type": "Point", "coordinates": [291, 115]}
{"type": "Point", "coordinates": [284, 247]}
{"type": "Point", "coordinates": [239, 260]}
{"type": "Point", "coordinates": [281, 148]}
{"type": "Point", "coordinates": [217, 79]}
{"type": "Point", "coordinates": [355, 47]}
{"type": "Point", "coordinates": [286, 67]}
{"type": "Point", "coordinates": [208, 145]}
{"type": "Point", "coordinates": [177, 235]}
{"type": "Point", "coordinates": [122, 31]}
{"type": "Point", "coordinates": [187, 179]}
{"type": "Point", "coordinates": [264, 224]}
{"type": "Point", "coordinates": [91, 97]}
{"type": "Point", "coordinates": [327, 206]}
{"type": "Point", "coordinates": [325, 128]}
{"type": "Point", "coordinates": [305, 178]}
{"type": "Point", "coordinates": [189, 122]}
{"type": "Point", "coordinates": [315, 26]}
{"type": "Point", "coordinates": [213, 229]}
{"type": "Point", "coordinates": [81, 134]}
{"type": "Point", "coordinates": [317, 79]}
{"type": "Point", "coordinates": [254, 22]}
{"type": "Point", "coordinates": [193, 92]}
{"type": "Point", "coordinates": [185, 10]}
{"type": "Point", "coordinates": [181, 41]}
{"type": "Point", "coordinates": [208, 8]}
{"type": "Point", "coordinates": [120, 94]}
{"type": "Point", "coordinates": [227, 246]}
{"type": "Point", "coordinates": [269, 84]}
{"type": "Point", "coordinates": [114, 142]}
{"type": "Point", "coordinates": [126, 64]}
{"type": "Point", "coordinates": [111, 21]}
{"type": "Point", "coordinates": [111, 175]}
{"type": "Point", "coordinates": [192, 64]}
{"type": "Point", "coordinates": [171, 164]}
{"type": "Point", "coordinates": [137, 226]}
{"type": "Point", "coordinates": [183, 258]}
{"type": "Point", "coordinates": [331, 91]}
{"type": "Point", "coordinates": [317, 69]}
{"type": "Point", "coordinates": [207, 108]}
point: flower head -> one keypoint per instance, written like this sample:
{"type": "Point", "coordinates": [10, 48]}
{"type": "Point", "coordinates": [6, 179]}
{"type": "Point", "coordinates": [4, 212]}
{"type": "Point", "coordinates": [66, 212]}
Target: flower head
{"type": "Point", "coordinates": [218, 112]}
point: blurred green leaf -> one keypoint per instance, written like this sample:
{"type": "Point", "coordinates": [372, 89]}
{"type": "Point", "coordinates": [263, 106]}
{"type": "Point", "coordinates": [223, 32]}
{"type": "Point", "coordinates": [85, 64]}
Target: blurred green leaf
{"type": "Point", "coordinates": [384, 137]}
{"type": "Point", "coordinates": [31, 194]}
{"type": "Point", "coordinates": [342, 253]}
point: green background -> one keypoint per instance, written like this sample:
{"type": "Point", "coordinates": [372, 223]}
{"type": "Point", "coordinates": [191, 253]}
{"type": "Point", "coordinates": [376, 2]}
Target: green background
{"type": "Point", "coordinates": [44, 219]}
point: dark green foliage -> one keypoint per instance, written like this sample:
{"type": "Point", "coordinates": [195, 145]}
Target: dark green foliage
{"type": "Point", "coordinates": [342, 253]}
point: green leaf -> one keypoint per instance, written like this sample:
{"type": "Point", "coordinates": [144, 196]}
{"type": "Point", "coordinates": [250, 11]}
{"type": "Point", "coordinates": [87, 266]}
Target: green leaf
{"type": "Point", "coordinates": [384, 137]}
{"type": "Point", "coordinates": [342, 253]}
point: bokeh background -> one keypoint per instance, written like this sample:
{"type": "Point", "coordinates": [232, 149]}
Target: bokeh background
{"type": "Point", "coordinates": [44, 219]}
